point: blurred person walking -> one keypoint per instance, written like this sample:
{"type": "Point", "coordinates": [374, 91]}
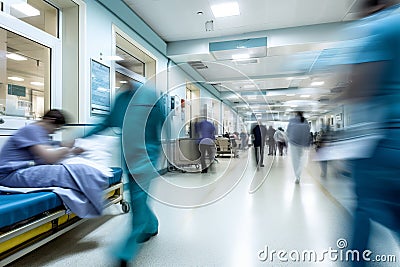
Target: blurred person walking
{"type": "Point", "coordinates": [259, 133]}
{"type": "Point", "coordinates": [243, 140]}
{"type": "Point", "coordinates": [271, 141]}
{"type": "Point", "coordinates": [140, 115]}
{"type": "Point", "coordinates": [298, 133]}
{"type": "Point", "coordinates": [281, 140]}
{"type": "Point", "coordinates": [323, 138]}
{"type": "Point", "coordinates": [206, 132]}
{"type": "Point", "coordinates": [374, 97]}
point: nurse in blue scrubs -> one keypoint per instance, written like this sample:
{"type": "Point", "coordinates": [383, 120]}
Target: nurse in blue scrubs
{"type": "Point", "coordinates": [374, 97]}
{"type": "Point", "coordinates": [141, 115]}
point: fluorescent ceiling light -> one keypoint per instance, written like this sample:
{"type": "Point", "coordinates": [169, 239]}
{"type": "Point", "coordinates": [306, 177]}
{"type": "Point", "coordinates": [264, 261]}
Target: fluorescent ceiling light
{"type": "Point", "coordinates": [305, 96]}
{"type": "Point", "coordinates": [115, 58]}
{"type": "Point", "coordinates": [225, 9]}
{"type": "Point", "coordinates": [26, 9]}
{"type": "Point", "coordinates": [123, 82]}
{"type": "Point", "coordinates": [233, 96]}
{"type": "Point", "coordinates": [317, 83]}
{"type": "Point", "coordinates": [16, 57]}
{"type": "Point", "coordinates": [251, 97]}
{"type": "Point", "coordinates": [102, 89]}
{"type": "Point", "coordinates": [290, 94]}
{"type": "Point", "coordinates": [240, 56]}
{"type": "Point", "coordinates": [37, 83]}
{"type": "Point", "coordinates": [15, 78]}
{"type": "Point", "coordinates": [247, 86]}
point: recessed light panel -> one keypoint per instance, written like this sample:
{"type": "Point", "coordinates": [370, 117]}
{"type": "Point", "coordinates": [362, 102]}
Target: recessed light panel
{"type": "Point", "coordinates": [317, 83]}
{"type": "Point", "coordinates": [37, 83]}
{"type": "Point", "coordinates": [17, 57]}
{"type": "Point", "coordinates": [15, 78]}
{"type": "Point", "coordinates": [25, 10]}
{"type": "Point", "coordinates": [225, 9]}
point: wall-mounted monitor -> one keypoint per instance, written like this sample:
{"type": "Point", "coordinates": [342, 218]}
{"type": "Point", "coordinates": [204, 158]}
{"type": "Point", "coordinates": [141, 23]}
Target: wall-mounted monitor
{"type": "Point", "coordinates": [100, 88]}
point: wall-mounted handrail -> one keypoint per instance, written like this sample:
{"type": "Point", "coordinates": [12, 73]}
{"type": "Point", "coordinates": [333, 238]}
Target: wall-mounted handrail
{"type": "Point", "coordinates": [8, 129]}
{"type": "Point", "coordinates": [79, 124]}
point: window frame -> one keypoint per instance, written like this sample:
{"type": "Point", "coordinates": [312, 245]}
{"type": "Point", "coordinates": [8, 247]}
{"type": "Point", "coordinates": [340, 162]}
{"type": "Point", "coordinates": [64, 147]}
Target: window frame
{"type": "Point", "coordinates": [30, 32]}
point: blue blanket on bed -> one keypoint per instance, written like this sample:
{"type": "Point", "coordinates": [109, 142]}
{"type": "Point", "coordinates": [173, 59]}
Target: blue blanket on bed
{"type": "Point", "coordinates": [79, 186]}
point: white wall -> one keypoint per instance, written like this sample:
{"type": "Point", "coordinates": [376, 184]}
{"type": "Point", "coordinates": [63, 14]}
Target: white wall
{"type": "Point", "coordinates": [177, 88]}
{"type": "Point", "coordinates": [99, 45]}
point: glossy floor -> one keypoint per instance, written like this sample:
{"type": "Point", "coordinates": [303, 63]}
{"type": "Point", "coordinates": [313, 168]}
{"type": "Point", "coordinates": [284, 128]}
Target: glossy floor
{"type": "Point", "coordinates": [234, 215]}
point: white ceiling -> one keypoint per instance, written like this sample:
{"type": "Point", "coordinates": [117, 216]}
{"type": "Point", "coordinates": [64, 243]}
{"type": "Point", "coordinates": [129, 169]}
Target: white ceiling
{"type": "Point", "coordinates": [267, 82]}
{"type": "Point", "coordinates": [176, 20]}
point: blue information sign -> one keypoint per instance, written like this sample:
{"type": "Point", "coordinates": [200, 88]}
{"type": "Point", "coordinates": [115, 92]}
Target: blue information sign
{"type": "Point", "coordinates": [100, 88]}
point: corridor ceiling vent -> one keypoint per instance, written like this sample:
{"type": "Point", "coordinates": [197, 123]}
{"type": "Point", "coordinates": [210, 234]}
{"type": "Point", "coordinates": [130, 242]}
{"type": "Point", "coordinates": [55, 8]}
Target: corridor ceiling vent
{"type": "Point", "coordinates": [239, 50]}
{"type": "Point", "coordinates": [323, 100]}
{"type": "Point", "coordinates": [209, 25]}
{"type": "Point", "coordinates": [246, 61]}
{"type": "Point", "coordinates": [337, 90]}
{"type": "Point", "coordinates": [198, 65]}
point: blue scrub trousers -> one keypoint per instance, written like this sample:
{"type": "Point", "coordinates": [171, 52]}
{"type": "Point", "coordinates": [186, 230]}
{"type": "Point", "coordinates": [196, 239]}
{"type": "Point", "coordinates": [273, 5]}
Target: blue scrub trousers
{"type": "Point", "coordinates": [377, 185]}
{"type": "Point", "coordinates": [144, 221]}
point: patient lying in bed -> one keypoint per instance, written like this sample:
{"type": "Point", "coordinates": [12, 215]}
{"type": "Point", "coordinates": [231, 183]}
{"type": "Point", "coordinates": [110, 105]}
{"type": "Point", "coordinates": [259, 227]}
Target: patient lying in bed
{"type": "Point", "coordinates": [30, 159]}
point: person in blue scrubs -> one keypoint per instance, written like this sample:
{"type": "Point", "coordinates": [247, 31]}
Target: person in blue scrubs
{"type": "Point", "coordinates": [31, 152]}
{"type": "Point", "coordinates": [32, 145]}
{"type": "Point", "coordinates": [374, 97]}
{"type": "Point", "coordinates": [30, 158]}
{"type": "Point", "coordinates": [140, 115]}
{"type": "Point", "coordinates": [206, 131]}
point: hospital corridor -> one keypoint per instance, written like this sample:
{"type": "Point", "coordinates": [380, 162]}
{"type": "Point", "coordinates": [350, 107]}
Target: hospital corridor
{"type": "Point", "coordinates": [221, 133]}
{"type": "Point", "coordinates": [264, 209]}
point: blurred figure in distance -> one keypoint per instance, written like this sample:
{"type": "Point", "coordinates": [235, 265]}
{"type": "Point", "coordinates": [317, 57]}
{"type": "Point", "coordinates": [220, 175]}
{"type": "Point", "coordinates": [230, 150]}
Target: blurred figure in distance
{"type": "Point", "coordinates": [271, 141]}
{"type": "Point", "coordinates": [281, 140]}
{"type": "Point", "coordinates": [259, 133]}
{"type": "Point", "coordinates": [298, 133]}
{"type": "Point", "coordinates": [243, 140]}
{"type": "Point", "coordinates": [206, 132]}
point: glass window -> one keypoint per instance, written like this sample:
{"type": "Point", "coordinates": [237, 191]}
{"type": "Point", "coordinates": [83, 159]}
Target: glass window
{"type": "Point", "coordinates": [120, 79]}
{"type": "Point", "coordinates": [130, 62]}
{"type": "Point", "coordinates": [24, 76]}
{"type": "Point", "coordinates": [132, 58]}
{"type": "Point", "coordinates": [38, 13]}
